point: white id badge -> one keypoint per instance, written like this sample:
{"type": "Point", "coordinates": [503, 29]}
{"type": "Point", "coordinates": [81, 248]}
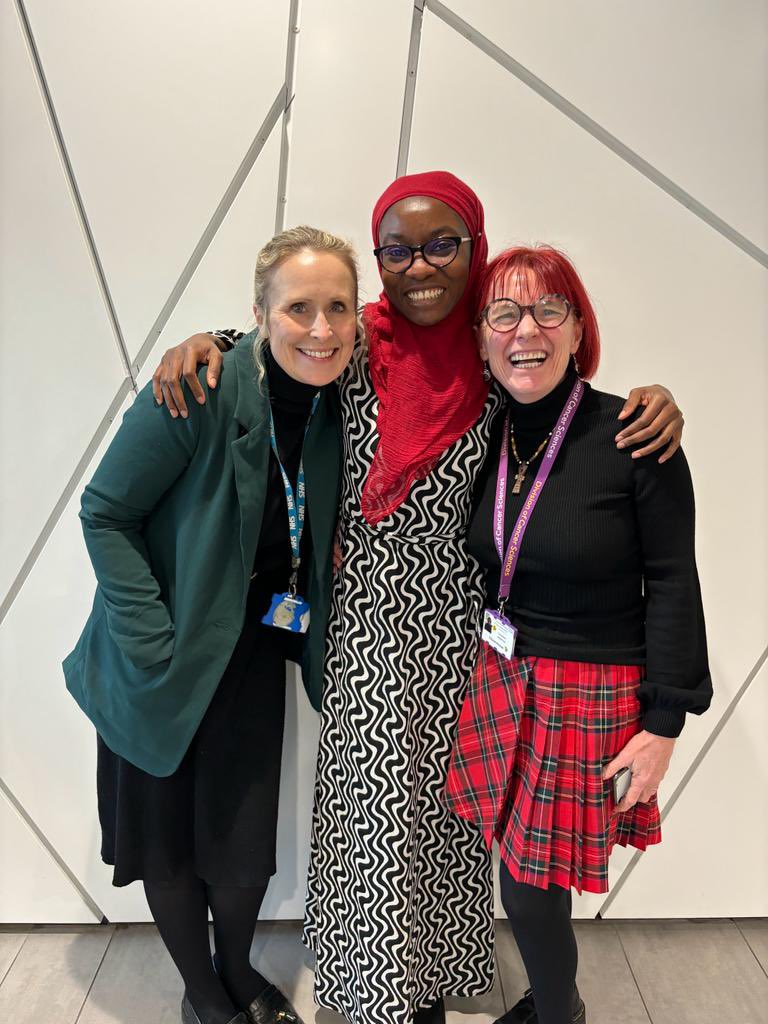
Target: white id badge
{"type": "Point", "coordinates": [288, 612]}
{"type": "Point", "coordinates": [498, 633]}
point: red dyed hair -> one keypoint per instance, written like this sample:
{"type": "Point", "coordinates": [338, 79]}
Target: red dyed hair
{"type": "Point", "coordinates": [555, 274]}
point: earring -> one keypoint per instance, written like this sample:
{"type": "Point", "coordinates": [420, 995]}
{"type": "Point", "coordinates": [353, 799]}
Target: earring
{"type": "Point", "coordinates": [486, 373]}
{"type": "Point", "coordinates": [576, 366]}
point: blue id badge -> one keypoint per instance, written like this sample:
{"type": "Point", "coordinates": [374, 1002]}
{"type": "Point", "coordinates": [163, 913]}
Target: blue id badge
{"type": "Point", "coordinates": [288, 611]}
{"type": "Point", "coordinates": [499, 633]}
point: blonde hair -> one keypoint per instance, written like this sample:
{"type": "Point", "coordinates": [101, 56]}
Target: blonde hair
{"type": "Point", "coordinates": [274, 254]}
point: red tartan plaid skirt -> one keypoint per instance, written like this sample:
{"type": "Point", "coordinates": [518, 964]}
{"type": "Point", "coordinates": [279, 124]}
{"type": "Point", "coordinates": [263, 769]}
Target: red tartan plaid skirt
{"type": "Point", "coordinates": [533, 737]}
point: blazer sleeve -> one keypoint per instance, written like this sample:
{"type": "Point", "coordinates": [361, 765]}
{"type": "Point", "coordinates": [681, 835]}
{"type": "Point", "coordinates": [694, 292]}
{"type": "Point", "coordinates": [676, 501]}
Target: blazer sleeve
{"type": "Point", "coordinates": [147, 455]}
{"type": "Point", "coordinates": [677, 668]}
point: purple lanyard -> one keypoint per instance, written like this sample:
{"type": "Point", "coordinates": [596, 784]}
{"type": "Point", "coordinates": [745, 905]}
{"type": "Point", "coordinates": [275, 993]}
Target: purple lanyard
{"type": "Point", "coordinates": [509, 562]}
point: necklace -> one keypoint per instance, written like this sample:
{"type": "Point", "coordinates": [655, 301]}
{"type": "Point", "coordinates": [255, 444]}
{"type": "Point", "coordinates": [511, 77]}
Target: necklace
{"type": "Point", "coordinates": [523, 464]}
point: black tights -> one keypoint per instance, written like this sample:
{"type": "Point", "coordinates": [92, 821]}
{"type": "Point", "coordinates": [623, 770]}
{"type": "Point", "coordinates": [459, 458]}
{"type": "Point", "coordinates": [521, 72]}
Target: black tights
{"type": "Point", "coordinates": [180, 910]}
{"type": "Point", "coordinates": [541, 924]}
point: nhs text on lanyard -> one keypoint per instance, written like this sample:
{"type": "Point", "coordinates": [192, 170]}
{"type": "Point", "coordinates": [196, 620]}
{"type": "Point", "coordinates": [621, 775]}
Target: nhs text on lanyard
{"type": "Point", "coordinates": [290, 610]}
{"type": "Point", "coordinates": [497, 630]}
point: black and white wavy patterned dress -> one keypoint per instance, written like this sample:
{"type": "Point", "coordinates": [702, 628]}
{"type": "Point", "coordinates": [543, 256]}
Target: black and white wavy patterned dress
{"type": "Point", "coordinates": [400, 895]}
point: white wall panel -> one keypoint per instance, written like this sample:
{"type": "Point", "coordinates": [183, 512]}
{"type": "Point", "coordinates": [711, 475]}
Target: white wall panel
{"type": "Point", "coordinates": [47, 746]}
{"type": "Point", "coordinates": [220, 293]}
{"type": "Point", "coordinates": [684, 84]}
{"type": "Point", "coordinates": [285, 896]}
{"type": "Point", "coordinates": [56, 339]}
{"type": "Point", "coordinates": [713, 860]}
{"type": "Point", "coordinates": [158, 103]}
{"type": "Point", "coordinates": [346, 117]}
{"type": "Point", "coordinates": [656, 273]}
{"type": "Point", "coordinates": [33, 889]}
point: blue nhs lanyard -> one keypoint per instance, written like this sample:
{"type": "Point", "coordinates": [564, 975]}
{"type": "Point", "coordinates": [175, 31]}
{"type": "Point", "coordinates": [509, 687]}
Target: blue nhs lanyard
{"type": "Point", "coordinates": [297, 503]}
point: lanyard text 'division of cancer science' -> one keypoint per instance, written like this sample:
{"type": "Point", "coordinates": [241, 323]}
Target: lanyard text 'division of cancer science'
{"type": "Point", "coordinates": [497, 630]}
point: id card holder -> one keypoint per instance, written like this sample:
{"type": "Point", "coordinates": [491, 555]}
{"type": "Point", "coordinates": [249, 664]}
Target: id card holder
{"type": "Point", "coordinates": [499, 633]}
{"type": "Point", "coordinates": [288, 611]}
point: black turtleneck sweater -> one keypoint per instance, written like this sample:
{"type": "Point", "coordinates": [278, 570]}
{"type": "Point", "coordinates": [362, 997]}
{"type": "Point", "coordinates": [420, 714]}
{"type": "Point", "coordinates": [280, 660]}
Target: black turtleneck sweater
{"type": "Point", "coordinates": [291, 403]}
{"type": "Point", "coordinates": [607, 571]}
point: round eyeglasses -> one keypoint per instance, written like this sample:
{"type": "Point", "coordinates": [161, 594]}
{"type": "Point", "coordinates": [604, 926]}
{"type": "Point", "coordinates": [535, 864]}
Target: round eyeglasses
{"type": "Point", "coordinates": [505, 314]}
{"type": "Point", "coordinates": [438, 252]}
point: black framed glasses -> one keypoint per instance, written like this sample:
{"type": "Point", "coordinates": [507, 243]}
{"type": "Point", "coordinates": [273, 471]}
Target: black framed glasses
{"type": "Point", "coordinates": [437, 252]}
{"type": "Point", "coordinates": [505, 314]}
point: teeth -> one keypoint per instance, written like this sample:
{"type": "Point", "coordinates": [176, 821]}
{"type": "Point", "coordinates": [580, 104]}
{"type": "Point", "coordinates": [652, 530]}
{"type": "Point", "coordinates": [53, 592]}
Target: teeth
{"type": "Point", "coordinates": [527, 360]}
{"type": "Point", "coordinates": [318, 353]}
{"type": "Point", "coordinates": [425, 295]}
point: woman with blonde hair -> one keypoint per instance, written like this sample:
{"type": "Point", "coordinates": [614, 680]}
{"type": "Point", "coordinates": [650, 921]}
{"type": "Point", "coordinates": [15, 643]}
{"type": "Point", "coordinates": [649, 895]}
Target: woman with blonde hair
{"type": "Point", "coordinates": [211, 541]}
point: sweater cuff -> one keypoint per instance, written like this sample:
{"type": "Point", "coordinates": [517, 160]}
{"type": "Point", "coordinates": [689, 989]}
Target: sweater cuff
{"type": "Point", "coordinates": [228, 339]}
{"type": "Point", "coordinates": [664, 722]}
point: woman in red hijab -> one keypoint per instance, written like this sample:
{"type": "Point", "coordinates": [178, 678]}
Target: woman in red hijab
{"type": "Point", "coordinates": [400, 895]}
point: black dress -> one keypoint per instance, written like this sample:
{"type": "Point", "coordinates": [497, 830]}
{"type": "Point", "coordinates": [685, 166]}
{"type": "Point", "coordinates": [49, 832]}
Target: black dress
{"type": "Point", "coordinates": [216, 815]}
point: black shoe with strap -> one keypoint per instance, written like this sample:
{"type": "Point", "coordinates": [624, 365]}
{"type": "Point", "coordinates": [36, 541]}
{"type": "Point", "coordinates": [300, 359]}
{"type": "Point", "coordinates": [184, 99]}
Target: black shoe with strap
{"type": "Point", "coordinates": [269, 1007]}
{"type": "Point", "coordinates": [272, 1007]}
{"type": "Point", "coordinates": [524, 1011]}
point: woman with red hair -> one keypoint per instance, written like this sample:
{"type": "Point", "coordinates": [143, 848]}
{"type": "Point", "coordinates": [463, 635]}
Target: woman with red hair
{"type": "Point", "coordinates": [400, 895]}
{"type": "Point", "coordinates": [593, 644]}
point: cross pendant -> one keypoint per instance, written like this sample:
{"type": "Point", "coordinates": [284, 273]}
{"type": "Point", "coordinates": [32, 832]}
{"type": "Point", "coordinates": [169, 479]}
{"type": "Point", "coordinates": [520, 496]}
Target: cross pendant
{"type": "Point", "coordinates": [519, 477]}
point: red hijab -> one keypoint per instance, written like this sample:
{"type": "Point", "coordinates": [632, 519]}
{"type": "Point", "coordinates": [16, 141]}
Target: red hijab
{"type": "Point", "coordinates": [428, 380]}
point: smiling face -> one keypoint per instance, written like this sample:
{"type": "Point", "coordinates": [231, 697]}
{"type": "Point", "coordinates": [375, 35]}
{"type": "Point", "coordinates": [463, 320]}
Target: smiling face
{"type": "Point", "coordinates": [425, 294]}
{"type": "Point", "coordinates": [311, 316]}
{"type": "Point", "coordinates": [528, 361]}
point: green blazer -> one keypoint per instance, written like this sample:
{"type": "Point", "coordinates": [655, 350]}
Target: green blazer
{"type": "Point", "coordinates": [171, 522]}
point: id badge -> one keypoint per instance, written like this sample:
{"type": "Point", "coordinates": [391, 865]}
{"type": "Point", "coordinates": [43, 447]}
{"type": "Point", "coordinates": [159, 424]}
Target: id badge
{"type": "Point", "coordinates": [498, 633]}
{"type": "Point", "coordinates": [287, 612]}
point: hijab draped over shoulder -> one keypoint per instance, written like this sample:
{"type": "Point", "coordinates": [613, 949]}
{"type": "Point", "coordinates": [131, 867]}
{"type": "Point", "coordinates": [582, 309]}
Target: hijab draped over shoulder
{"type": "Point", "coordinates": [428, 380]}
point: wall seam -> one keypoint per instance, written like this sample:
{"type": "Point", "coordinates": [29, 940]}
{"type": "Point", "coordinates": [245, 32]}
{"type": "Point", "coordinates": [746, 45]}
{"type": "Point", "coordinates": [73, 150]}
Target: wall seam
{"type": "Point", "coordinates": [290, 93]}
{"type": "Point", "coordinates": [213, 225]}
{"type": "Point", "coordinates": [126, 386]}
{"type": "Point", "coordinates": [61, 864]}
{"type": "Point", "coordinates": [689, 773]}
{"type": "Point", "coordinates": [409, 95]}
{"type": "Point", "coordinates": [596, 130]}
{"type": "Point", "coordinates": [77, 199]}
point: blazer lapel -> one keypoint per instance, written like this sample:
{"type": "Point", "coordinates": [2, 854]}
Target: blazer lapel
{"type": "Point", "coordinates": [250, 452]}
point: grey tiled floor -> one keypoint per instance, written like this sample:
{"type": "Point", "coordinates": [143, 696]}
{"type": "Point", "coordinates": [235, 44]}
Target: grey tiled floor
{"type": "Point", "coordinates": [630, 972]}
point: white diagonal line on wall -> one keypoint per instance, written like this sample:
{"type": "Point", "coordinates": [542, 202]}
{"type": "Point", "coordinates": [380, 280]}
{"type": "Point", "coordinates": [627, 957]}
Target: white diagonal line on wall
{"type": "Point", "coordinates": [127, 385]}
{"type": "Point", "coordinates": [230, 194]}
{"type": "Point", "coordinates": [690, 772]}
{"type": "Point", "coordinates": [53, 853]}
{"type": "Point", "coordinates": [579, 117]}
{"type": "Point", "coordinates": [77, 199]}
{"type": "Point", "coordinates": [409, 97]}
{"type": "Point", "coordinates": [290, 91]}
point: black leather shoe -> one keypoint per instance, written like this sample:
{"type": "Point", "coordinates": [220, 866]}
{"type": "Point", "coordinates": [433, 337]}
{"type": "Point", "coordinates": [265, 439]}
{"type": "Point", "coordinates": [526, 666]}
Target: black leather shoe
{"type": "Point", "coordinates": [524, 1011]}
{"type": "Point", "coordinates": [272, 1007]}
{"type": "Point", "coordinates": [269, 1006]}
{"type": "Point", "coordinates": [189, 1015]}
